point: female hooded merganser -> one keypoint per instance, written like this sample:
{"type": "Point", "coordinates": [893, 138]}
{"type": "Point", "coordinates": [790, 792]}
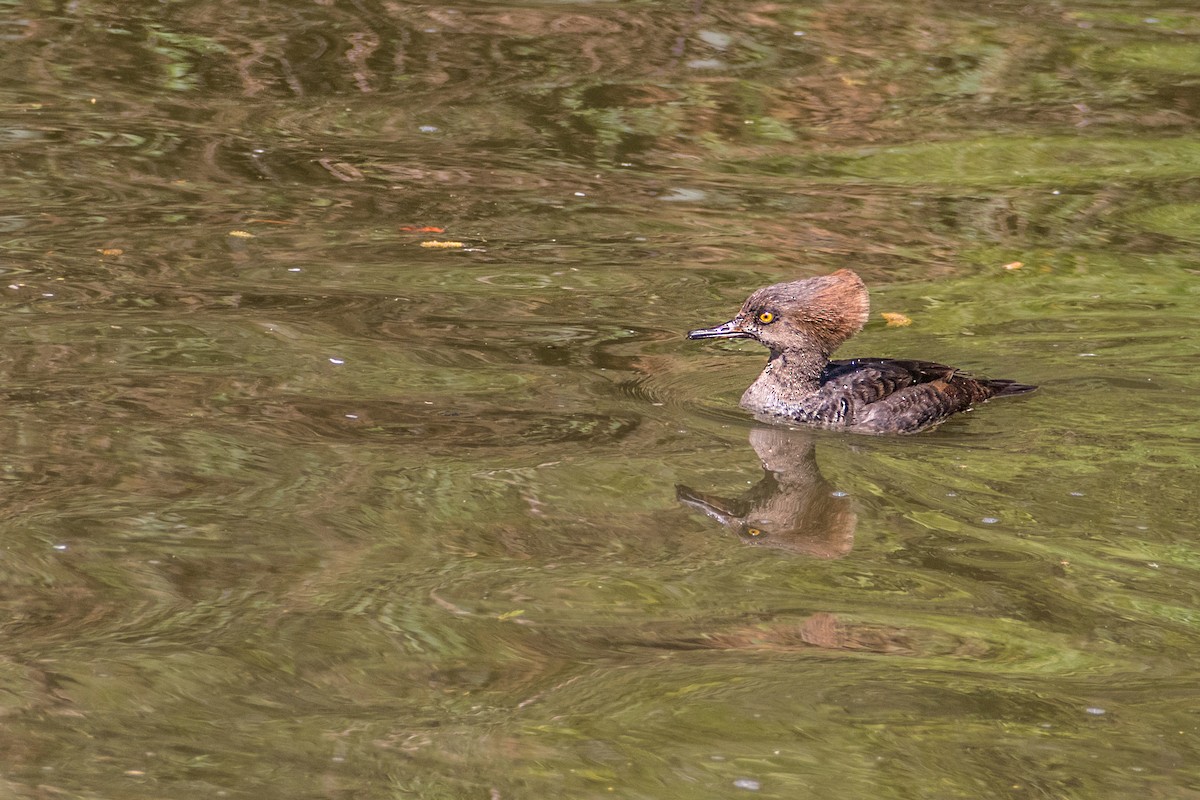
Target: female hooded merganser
{"type": "Point", "coordinates": [802, 323]}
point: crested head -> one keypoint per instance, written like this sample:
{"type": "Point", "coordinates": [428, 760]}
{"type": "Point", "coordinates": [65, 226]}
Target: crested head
{"type": "Point", "coordinates": [830, 308]}
{"type": "Point", "coordinates": [811, 314]}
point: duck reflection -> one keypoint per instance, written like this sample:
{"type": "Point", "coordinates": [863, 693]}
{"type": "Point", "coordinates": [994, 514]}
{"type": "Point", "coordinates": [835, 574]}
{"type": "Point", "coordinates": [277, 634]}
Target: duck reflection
{"type": "Point", "coordinates": [792, 508]}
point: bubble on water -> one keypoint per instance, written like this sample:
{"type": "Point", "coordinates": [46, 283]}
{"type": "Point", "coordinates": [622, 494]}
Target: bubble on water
{"type": "Point", "coordinates": [679, 194]}
{"type": "Point", "coordinates": [990, 520]}
{"type": "Point", "coordinates": [337, 360]}
{"type": "Point", "coordinates": [1095, 711]}
{"type": "Point", "coordinates": [716, 39]}
{"type": "Point", "coordinates": [748, 784]}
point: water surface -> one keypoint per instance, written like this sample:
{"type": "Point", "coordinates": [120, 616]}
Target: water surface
{"type": "Point", "coordinates": [295, 506]}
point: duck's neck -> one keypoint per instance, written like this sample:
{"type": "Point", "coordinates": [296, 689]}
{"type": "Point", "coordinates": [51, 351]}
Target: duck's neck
{"type": "Point", "coordinates": [789, 377]}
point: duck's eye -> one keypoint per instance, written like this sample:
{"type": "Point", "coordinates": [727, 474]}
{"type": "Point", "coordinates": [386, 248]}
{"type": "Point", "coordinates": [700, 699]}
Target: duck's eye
{"type": "Point", "coordinates": [756, 531]}
{"type": "Point", "coordinates": [766, 317]}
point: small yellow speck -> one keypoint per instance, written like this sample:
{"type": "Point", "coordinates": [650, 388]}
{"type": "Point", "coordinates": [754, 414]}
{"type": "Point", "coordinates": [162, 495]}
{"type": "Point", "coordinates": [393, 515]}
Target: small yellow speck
{"type": "Point", "coordinates": [895, 319]}
{"type": "Point", "coordinates": [443, 245]}
{"type": "Point", "coordinates": [111, 251]}
{"type": "Point", "coordinates": [241, 234]}
{"type": "Point", "coordinates": [1014, 265]}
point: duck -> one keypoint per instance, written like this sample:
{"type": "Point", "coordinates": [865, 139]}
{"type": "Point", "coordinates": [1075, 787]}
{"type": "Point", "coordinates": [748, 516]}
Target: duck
{"type": "Point", "coordinates": [802, 323]}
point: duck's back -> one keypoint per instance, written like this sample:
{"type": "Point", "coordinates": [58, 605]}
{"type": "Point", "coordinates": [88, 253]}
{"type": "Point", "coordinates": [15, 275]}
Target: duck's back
{"type": "Point", "coordinates": [901, 396]}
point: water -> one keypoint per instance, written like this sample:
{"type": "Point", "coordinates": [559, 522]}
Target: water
{"type": "Point", "coordinates": [296, 507]}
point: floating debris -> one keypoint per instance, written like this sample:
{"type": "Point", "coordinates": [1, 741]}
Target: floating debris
{"type": "Point", "coordinates": [895, 319]}
{"type": "Point", "coordinates": [443, 245]}
{"type": "Point", "coordinates": [1014, 265]}
{"type": "Point", "coordinates": [241, 234]}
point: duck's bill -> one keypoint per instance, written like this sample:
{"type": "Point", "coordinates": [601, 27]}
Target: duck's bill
{"type": "Point", "coordinates": [720, 509]}
{"type": "Point", "coordinates": [730, 330]}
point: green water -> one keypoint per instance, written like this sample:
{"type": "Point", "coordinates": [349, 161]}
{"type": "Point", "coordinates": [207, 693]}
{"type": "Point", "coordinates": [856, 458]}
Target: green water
{"type": "Point", "coordinates": [295, 507]}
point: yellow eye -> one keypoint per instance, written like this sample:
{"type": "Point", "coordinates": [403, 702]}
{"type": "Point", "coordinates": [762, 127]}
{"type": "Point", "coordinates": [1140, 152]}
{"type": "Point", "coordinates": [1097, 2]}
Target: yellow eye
{"type": "Point", "coordinates": [755, 531]}
{"type": "Point", "coordinates": [766, 317]}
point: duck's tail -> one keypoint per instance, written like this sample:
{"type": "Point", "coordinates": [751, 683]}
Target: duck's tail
{"type": "Point", "coordinates": [1003, 388]}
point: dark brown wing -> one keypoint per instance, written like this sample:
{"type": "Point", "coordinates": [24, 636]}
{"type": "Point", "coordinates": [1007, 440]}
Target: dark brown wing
{"type": "Point", "coordinates": [898, 396]}
{"type": "Point", "coordinates": [869, 380]}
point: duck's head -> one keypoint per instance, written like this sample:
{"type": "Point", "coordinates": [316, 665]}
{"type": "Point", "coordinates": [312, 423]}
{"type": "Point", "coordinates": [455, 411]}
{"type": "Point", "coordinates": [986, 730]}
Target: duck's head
{"type": "Point", "coordinates": [812, 314]}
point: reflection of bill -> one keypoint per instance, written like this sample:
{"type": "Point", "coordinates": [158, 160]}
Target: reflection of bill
{"type": "Point", "coordinates": [792, 508]}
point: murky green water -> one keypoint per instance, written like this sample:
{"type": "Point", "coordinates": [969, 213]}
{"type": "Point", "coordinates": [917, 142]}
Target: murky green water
{"type": "Point", "coordinates": [295, 507]}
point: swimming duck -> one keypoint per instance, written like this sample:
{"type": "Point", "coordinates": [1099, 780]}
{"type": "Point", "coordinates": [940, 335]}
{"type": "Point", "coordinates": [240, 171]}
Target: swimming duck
{"type": "Point", "coordinates": [802, 323]}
